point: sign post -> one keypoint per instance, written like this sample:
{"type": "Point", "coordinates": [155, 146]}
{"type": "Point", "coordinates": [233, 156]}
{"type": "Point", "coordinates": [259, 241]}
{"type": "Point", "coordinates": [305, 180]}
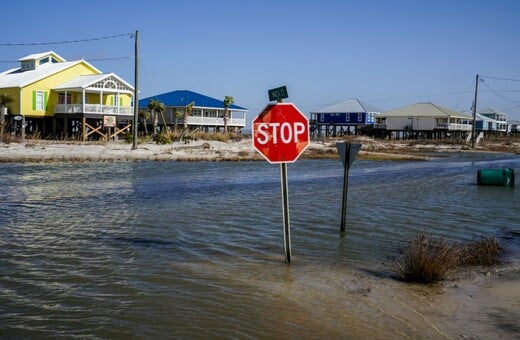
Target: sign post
{"type": "Point", "coordinates": [280, 135]}
{"type": "Point", "coordinates": [347, 153]}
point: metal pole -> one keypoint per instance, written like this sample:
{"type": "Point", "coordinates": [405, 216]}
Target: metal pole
{"type": "Point", "coordinates": [474, 114]}
{"type": "Point", "coordinates": [136, 91]}
{"type": "Point", "coordinates": [285, 212]}
{"type": "Point", "coordinates": [345, 187]}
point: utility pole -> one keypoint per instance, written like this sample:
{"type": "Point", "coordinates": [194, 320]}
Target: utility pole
{"type": "Point", "coordinates": [136, 91]}
{"type": "Point", "coordinates": [474, 114]}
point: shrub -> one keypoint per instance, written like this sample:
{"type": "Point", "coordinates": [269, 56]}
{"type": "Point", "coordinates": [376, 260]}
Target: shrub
{"type": "Point", "coordinates": [161, 139]}
{"type": "Point", "coordinates": [427, 260]}
{"type": "Point", "coordinates": [482, 252]}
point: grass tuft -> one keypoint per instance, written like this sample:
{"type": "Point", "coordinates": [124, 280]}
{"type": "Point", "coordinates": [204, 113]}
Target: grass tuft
{"type": "Point", "coordinates": [482, 252]}
{"type": "Point", "coordinates": [427, 259]}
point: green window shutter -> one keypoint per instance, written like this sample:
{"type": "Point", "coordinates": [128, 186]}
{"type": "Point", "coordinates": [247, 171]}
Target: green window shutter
{"type": "Point", "coordinates": [45, 98]}
{"type": "Point", "coordinates": [34, 100]}
{"type": "Point", "coordinates": [112, 100]}
{"type": "Point", "coordinates": [120, 101]}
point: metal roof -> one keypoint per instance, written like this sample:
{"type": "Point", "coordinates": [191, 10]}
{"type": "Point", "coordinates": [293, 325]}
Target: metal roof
{"type": "Point", "coordinates": [349, 106]}
{"type": "Point", "coordinates": [18, 78]}
{"type": "Point", "coordinates": [424, 110]}
{"type": "Point", "coordinates": [182, 98]}
{"type": "Point", "coordinates": [37, 56]}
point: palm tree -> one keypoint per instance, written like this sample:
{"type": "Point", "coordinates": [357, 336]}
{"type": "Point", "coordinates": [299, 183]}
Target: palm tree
{"type": "Point", "coordinates": [177, 115]}
{"type": "Point", "coordinates": [5, 99]}
{"type": "Point", "coordinates": [156, 107]}
{"type": "Point", "coordinates": [144, 115]}
{"type": "Point", "coordinates": [187, 113]}
{"type": "Point", "coordinates": [228, 101]}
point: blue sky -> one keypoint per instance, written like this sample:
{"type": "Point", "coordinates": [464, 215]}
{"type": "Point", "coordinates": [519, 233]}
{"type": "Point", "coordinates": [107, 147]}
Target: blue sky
{"type": "Point", "coordinates": [386, 53]}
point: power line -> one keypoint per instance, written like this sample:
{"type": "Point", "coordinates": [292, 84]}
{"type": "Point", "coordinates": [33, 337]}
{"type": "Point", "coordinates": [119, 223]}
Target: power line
{"type": "Point", "coordinates": [498, 78]}
{"type": "Point", "coordinates": [67, 41]}
{"type": "Point", "coordinates": [87, 59]}
{"type": "Point", "coordinates": [500, 95]}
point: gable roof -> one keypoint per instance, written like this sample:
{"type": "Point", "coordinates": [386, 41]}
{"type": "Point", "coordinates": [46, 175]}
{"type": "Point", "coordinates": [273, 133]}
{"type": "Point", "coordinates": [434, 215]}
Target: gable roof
{"type": "Point", "coordinates": [424, 110]}
{"type": "Point", "coordinates": [36, 56]}
{"type": "Point", "coordinates": [18, 78]}
{"type": "Point", "coordinates": [85, 81]}
{"type": "Point", "coordinates": [349, 106]}
{"type": "Point", "coordinates": [182, 98]}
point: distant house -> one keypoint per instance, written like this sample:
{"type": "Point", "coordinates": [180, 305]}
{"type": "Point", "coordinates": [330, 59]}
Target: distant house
{"type": "Point", "coordinates": [52, 96]}
{"type": "Point", "coordinates": [513, 127]}
{"type": "Point", "coordinates": [491, 121]}
{"type": "Point", "coordinates": [424, 119]}
{"type": "Point", "coordinates": [207, 113]}
{"type": "Point", "coordinates": [339, 119]}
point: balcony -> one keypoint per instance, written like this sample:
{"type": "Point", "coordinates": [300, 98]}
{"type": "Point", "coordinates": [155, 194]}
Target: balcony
{"type": "Point", "coordinates": [94, 109]}
{"type": "Point", "coordinates": [453, 127]}
{"type": "Point", "coordinates": [215, 121]}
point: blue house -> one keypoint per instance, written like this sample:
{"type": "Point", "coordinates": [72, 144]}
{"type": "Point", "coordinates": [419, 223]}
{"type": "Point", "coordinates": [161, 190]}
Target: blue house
{"type": "Point", "coordinates": [207, 113]}
{"type": "Point", "coordinates": [491, 121]}
{"type": "Point", "coordinates": [339, 119]}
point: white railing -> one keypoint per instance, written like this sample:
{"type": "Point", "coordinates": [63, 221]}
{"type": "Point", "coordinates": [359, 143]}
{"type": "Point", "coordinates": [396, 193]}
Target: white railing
{"type": "Point", "coordinates": [454, 127]}
{"type": "Point", "coordinates": [93, 108]}
{"type": "Point", "coordinates": [214, 121]}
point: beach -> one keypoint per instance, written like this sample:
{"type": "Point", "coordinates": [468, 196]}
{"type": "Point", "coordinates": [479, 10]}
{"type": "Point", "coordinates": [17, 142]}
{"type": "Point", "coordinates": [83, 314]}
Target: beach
{"type": "Point", "coordinates": [473, 303]}
{"type": "Point", "coordinates": [234, 150]}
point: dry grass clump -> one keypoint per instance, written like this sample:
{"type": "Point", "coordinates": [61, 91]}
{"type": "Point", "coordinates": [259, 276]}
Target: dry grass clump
{"type": "Point", "coordinates": [427, 259]}
{"type": "Point", "coordinates": [482, 252]}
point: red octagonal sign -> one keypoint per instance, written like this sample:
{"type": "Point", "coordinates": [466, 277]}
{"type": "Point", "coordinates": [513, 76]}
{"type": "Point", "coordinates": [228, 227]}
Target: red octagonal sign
{"type": "Point", "coordinates": [281, 133]}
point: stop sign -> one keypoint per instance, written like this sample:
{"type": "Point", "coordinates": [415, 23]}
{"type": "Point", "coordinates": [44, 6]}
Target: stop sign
{"type": "Point", "coordinates": [281, 133]}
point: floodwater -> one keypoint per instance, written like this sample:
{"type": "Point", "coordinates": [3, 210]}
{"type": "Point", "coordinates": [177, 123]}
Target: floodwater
{"type": "Point", "coordinates": [184, 250]}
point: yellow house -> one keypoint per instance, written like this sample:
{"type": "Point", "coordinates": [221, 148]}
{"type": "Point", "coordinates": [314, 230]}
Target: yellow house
{"type": "Point", "coordinates": [54, 96]}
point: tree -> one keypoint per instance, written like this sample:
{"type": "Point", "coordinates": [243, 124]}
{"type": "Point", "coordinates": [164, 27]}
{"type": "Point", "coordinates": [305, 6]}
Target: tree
{"type": "Point", "coordinates": [187, 113]}
{"type": "Point", "coordinates": [5, 99]}
{"type": "Point", "coordinates": [177, 115]}
{"type": "Point", "coordinates": [156, 107]}
{"type": "Point", "coordinates": [228, 101]}
{"type": "Point", "coordinates": [144, 115]}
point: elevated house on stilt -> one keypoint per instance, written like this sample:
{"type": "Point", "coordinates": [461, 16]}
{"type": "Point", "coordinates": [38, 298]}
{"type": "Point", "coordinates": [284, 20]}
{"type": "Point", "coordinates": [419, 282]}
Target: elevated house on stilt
{"type": "Point", "coordinates": [65, 99]}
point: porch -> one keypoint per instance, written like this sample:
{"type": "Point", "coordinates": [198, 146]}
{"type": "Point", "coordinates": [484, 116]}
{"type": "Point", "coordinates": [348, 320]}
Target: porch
{"type": "Point", "coordinates": [93, 109]}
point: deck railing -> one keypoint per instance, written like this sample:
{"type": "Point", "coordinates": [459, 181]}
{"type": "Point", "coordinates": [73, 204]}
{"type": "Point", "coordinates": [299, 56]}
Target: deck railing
{"type": "Point", "coordinates": [93, 108]}
{"type": "Point", "coordinates": [453, 127]}
{"type": "Point", "coordinates": [215, 121]}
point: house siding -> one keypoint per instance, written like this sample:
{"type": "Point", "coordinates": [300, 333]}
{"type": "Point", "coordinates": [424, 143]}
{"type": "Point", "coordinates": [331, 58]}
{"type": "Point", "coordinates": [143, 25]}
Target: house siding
{"type": "Point", "coordinates": [46, 85]}
{"type": "Point", "coordinates": [14, 92]}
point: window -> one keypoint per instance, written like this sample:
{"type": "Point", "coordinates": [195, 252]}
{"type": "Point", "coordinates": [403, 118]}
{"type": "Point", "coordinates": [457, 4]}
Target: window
{"type": "Point", "coordinates": [62, 99]}
{"type": "Point", "coordinates": [44, 60]}
{"type": "Point", "coordinates": [39, 100]}
{"type": "Point", "coordinates": [360, 117]}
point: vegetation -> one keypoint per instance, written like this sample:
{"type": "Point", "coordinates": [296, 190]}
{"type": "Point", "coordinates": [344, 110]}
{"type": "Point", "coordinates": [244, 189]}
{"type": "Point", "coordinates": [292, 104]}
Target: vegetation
{"type": "Point", "coordinates": [427, 259]}
{"type": "Point", "coordinates": [228, 101]}
{"type": "Point", "coordinates": [144, 116]}
{"type": "Point", "coordinates": [481, 252]}
{"type": "Point", "coordinates": [5, 99]}
{"type": "Point", "coordinates": [156, 108]}
{"type": "Point", "coordinates": [187, 113]}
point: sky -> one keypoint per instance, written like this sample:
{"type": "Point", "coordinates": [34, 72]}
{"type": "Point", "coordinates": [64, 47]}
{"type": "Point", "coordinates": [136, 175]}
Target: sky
{"type": "Point", "coordinates": [386, 53]}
